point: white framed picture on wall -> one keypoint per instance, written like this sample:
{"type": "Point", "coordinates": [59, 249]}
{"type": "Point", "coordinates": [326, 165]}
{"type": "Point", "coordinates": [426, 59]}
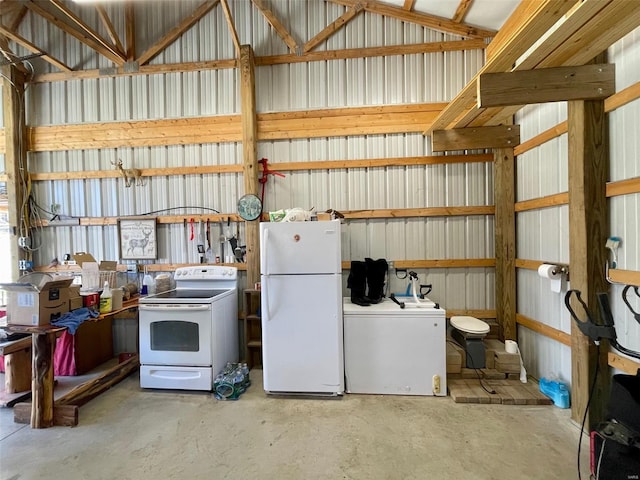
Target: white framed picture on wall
{"type": "Point", "coordinates": [137, 238]}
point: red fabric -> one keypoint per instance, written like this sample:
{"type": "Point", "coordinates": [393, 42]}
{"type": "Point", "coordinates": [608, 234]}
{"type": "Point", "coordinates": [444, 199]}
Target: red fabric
{"type": "Point", "coordinates": [64, 362]}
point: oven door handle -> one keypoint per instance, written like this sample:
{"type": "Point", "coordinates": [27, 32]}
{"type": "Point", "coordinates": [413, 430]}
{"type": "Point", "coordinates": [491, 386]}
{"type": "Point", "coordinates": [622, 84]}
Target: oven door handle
{"type": "Point", "coordinates": [173, 308]}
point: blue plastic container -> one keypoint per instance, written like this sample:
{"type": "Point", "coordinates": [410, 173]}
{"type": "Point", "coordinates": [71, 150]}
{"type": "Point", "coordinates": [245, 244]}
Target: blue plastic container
{"type": "Point", "coordinates": [556, 391]}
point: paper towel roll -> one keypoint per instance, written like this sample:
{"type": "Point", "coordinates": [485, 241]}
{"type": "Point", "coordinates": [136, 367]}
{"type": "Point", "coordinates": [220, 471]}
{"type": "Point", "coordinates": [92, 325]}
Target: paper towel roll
{"type": "Point", "coordinates": [552, 272]}
{"type": "Point", "coordinates": [510, 346]}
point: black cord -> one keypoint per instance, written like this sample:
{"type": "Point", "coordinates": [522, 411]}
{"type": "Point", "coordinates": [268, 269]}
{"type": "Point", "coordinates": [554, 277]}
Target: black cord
{"type": "Point", "coordinates": [586, 410]}
{"type": "Point", "coordinates": [490, 392]}
{"type": "Point", "coordinates": [178, 208]}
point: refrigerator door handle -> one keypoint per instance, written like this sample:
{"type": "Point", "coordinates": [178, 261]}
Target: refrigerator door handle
{"type": "Point", "coordinates": [265, 251]}
{"type": "Point", "coordinates": [265, 295]}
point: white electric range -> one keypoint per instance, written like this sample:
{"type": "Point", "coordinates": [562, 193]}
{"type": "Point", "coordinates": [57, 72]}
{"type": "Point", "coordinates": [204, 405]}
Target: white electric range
{"type": "Point", "coordinates": [187, 335]}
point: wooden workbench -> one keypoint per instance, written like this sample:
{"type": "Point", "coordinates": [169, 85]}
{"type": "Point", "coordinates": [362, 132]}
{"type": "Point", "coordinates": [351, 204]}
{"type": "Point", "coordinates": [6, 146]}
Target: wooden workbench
{"type": "Point", "coordinates": [43, 412]}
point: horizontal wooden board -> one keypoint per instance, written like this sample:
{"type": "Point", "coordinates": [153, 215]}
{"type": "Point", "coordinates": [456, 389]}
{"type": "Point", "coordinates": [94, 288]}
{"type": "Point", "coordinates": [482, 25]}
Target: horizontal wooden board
{"type": "Point", "coordinates": [273, 167]}
{"type": "Point", "coordinates": [543, 329]}
{"type": "Point", "coordinates": [627, 277]}
{"type": "Point", "coordinates": [585, 82]}
{"type": "Point", "coordinates": [624, 364]}
{"type": "Point", "coordinates": [227, 128]}
{"type": "Point", "coordinates": [501, 136]}
{"type": "Point", "coordinates": [528, 264]}
{"type": "Point", "coordinates": [623, 187]}
{"type": "Point", "coordinates": [543, 202]}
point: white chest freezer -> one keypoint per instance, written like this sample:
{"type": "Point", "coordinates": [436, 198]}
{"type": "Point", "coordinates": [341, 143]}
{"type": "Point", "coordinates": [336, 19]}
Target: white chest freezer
{"type": "Point", "coordinates": [394, 351]}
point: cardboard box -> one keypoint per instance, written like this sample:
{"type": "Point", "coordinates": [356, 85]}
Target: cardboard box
{"type": "Point", "coordinates": [35, 305]}
{"type": "Point", "coordinates": [75, 300]}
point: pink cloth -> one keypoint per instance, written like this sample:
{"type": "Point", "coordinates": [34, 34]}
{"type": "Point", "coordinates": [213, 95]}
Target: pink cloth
{"type": "Point", "coordinates": [64, 361]}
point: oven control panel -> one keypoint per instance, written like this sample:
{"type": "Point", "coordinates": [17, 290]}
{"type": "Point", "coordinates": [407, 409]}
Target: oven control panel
{"type": "Point", "coordinates": [209, 272]}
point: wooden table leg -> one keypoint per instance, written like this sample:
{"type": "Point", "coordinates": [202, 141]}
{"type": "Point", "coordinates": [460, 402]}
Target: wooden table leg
{"type": "Point", "coordinates": [17, 369]}
{"type": "Point", "coordinates": [42, 380]}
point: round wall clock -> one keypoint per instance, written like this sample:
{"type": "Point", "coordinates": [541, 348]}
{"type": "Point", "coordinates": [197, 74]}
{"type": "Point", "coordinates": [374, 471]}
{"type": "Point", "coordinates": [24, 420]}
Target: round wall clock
{"type": "Point", "coordinates": [249, 207]}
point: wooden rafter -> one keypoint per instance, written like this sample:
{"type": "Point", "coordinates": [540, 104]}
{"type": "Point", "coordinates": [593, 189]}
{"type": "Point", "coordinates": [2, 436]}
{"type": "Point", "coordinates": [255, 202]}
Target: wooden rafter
{"type": "Point", "coordinates": [113, 35]}
{"type": "Point", "coordinates": [332, 28]}
{"type": "Point", "coordinates": [277, 25]}
{"type": "Point", "coordinates": [82, 37]}
{"type": "Point", "coordinates": [17, 20]}
{"type": "Point", "coordinates": [429, 21]}
{"type": "Point", "coordinates": [461, 11]}
{"type": "Point", "coordinates": [177, 31]}
{"type": "Point", "coordinates": [231, 25]}
{"type": "Point", "coordinates": [33, 49]}
{"type": "Point", "coordinates": [130, 31]}
{"type": "Point", "coordinates": [88, 30]}
{"type": "Point", "coordinates": [545, 14]}
{"type": "Point", "coordinates": [408, 5]}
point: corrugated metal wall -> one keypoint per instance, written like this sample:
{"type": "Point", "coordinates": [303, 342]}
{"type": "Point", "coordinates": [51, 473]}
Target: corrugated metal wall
{"type": "Point", "coordinates": [544, 234]}
{"type": "Point", "coordinates": [625, 210]}
{"type": "Point", "coordinates": [431, 77]}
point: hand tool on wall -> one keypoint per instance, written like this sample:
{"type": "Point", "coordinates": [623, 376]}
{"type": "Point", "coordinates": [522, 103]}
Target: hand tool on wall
{"type": "Point", "coordinates": [208, 254]}
{"type": "Point", "coordinates": [222, 239]}
{"type": "Point", "coordinates": [201, 241]}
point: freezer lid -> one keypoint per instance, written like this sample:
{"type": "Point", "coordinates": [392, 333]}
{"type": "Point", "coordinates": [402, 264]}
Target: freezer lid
{"type": "Point", "coordinates": [300, 248]}
{"type": "Point", "coordinates": [387, 307]}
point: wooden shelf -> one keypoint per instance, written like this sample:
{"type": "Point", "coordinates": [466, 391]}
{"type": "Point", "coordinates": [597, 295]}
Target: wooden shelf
{"type": "Point", "coordinates": [252, 328]}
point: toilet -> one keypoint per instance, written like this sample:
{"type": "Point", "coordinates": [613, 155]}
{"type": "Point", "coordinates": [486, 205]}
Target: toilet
{"type": "Point", "coordinates": [469, 332]}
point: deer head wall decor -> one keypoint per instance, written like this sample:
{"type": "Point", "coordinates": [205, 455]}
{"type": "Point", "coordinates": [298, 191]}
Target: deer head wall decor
{"type": "Point", "coordinates": [129, 174]}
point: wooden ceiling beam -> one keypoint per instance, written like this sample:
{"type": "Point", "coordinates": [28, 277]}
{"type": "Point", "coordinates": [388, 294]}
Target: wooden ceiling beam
{"type": "Point", "coordinates": [408, 5]}
{"type": "Point", "coordinates": [80, 36]}
{"type": "Point", "coordinates": [429, 21]}
{"type": "Point", "coordinates": [232, 26]}
{"type": "Point", "coordinates": [17, 20]}
{"type": "Point", "coordinates": [177, 31]}
{"type": "Point", "coordinates": [503, 136]}
{"type": "Point", "coordinates": [277, 25]}
{"type": "Point", "coordinates": [587, 82]}
{"type": "Point", "coordinates": [113, 35]}
{"type": "Point", "coordinates": [323, 56]}
{"type": "Point", "coordinates": [332, 28]}
{"type": "Point", "coordinates": [88, 30]}
{"type": "Point", "coordinates": [33, 49]}
{"type": "Point", "coordinates": [592, 26]}
{"type": "Point", "coordinates": [461, 11]}
{"type": "Point", "coordinates": [546, 14]}
{"type": "Point", "coordinates": [130, 31]}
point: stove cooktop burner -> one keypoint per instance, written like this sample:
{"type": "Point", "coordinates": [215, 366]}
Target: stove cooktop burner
{"type": "Point", "coordinates": [185, 294]}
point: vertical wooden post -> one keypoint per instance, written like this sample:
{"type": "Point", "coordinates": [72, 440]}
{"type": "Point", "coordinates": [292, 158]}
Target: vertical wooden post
{"type": "Point", "coordinates": [588, 224]}
{"type": "Point", "coordinates": [15, 157]}
{"type": "Point", "coordinates": [250, 157]}
{"type": "Point", "coordinates": [42, 380]}
{"type": "Point", "coordinates": [505, 239]}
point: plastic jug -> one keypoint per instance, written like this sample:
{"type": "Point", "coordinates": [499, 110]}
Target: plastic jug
{"type": "Point", "coordinates": [106, 300]}
{"type": "Point", "coordinates": [556, 391]}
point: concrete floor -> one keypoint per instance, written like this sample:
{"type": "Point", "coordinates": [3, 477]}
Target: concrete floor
{"type": "Point", "coordinates": [130, 433]}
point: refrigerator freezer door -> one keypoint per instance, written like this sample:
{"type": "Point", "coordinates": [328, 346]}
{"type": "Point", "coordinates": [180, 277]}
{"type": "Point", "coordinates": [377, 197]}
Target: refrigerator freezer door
{"type": "Point", "coordinates": [300, 248]}
{"type": "Point", "coordinates": [302, 344]}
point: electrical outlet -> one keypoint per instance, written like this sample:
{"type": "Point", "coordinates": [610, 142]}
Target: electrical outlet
{"type": "Point", "coordinates": [24, 242]}
{"type": "Point", "coordinates": [390, 264]}
{"type": "Point", "coordinates": [132, 268]}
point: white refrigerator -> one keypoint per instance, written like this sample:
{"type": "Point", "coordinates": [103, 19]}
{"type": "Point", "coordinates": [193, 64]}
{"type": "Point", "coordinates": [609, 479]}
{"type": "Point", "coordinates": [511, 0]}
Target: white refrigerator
{"type": "Point", "coordinates": [301, 300]}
